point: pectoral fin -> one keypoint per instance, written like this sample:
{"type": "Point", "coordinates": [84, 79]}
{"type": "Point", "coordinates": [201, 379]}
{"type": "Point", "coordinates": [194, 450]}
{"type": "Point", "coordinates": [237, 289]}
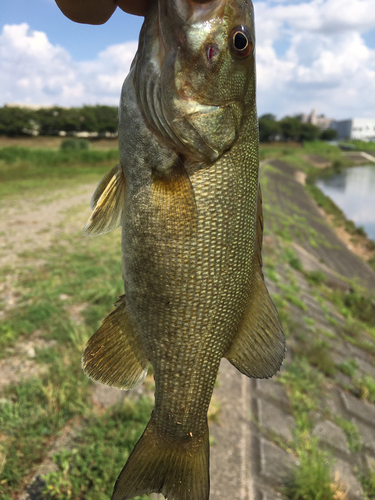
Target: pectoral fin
{"type": "Point", "coordinates": [172, 197]}
{"type": "Point", "coordinates": [114, 355]}
{"type": "Point", "coordinates": [258, 349]}
{"type": "Point", "coordinates": [107, 203]}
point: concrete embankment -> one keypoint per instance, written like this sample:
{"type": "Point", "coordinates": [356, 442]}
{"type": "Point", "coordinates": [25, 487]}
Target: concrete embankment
{"type": "Point", "coordinates": [258, 436]}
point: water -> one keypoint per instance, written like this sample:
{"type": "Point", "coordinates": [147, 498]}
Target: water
{"type": "Point", "coordinates": [353, 190]}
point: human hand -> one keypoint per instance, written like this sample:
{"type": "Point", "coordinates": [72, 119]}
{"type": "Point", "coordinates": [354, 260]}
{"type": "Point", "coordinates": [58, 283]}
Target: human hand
{"type": "Point", "coordinates": [99, 11]}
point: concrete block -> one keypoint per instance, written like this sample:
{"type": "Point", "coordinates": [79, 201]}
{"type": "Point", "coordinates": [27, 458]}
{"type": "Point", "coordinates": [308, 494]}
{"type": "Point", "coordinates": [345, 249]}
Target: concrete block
{"type": "Point", "coordinates": [343, 474]}
{"type": "Point", "coordinates": [276, 465]}
{"type": "Point", "coordinates": [272, 391]}
{"type": "Point", "coordinates": [275, 420]}
{"type": "Point", "coordinates": [358, 408]}
{"type": "Point", "coordinates": [331, 435]}
{"type": "Point", "coordinates": [365, 368]}
{"type": "Point", "coordinates": [367, 433]}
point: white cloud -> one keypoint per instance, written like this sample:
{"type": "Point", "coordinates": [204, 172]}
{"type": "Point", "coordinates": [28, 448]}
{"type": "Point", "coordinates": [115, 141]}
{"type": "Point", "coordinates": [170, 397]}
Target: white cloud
{"type": "Point", "coordinates": [310, 54]}
{"type": "Point", "coordinates": [326, 64]}
{"type": "Point", "coordinates": [35, 71]}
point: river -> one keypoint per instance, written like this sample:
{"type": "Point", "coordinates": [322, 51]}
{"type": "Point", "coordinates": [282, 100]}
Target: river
{"type": "Point", "coordinates": [353, 190]}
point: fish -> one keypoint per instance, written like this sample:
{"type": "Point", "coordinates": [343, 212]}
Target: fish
{"type": "Point", "coordinates": [186, 194]}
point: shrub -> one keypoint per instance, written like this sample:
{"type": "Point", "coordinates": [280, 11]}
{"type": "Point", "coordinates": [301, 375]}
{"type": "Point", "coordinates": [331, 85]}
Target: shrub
{"type": "Point", "coordinates": [75, 144]}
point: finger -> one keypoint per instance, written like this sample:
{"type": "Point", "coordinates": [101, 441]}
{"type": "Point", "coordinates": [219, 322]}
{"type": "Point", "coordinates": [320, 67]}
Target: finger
{"type": "Point", "coordinates": [87, 11]}
{"type": "Point", "coordinates": [136, 7]}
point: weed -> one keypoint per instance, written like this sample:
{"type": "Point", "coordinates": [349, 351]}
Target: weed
{"type": "Point", "coordinates": [292, 259]}
{"type": "Point", "coordinates": [90, 469]}
{"type": "Point", "coordinates": [37, 171]}
{"type": "Point", "coordinates": [308, 321]}
{"type": "Point", "coordinates": [311, 480]}
{"type": "Point", "coordinates": [303, 384]}
{"type": "Point", "coordinates": [352, 433]}
{"type": "Point", "coordinates": [318, 355]}
{"type": "Point", "coordinates": [75, 144]}
{"type": "Point", "coordinates": [272, 275]}
{"type": "Point", "coordinates": [316, 277]}
{"type": "Point", "coordinates": [368, 483]}
{"type": "Point", "coordinates": [32, 413]}
{"type": "Point", "coordinates": [361, 306]}
{"type": "Point", "coordinates": [348, 367]}
{"type": "Point", "coordinates": [366, 387]}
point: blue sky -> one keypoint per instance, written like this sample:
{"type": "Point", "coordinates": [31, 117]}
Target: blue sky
{"type": "Point", "coordinates": [310, 54]}
{"type": "Point", "coordinates": [81, 40]}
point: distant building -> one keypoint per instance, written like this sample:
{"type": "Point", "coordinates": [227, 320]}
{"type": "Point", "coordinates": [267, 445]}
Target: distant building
{"type": "Point", "coordinates": [319, 121]}
{"type": "Point", "coordinates": [362, 129]}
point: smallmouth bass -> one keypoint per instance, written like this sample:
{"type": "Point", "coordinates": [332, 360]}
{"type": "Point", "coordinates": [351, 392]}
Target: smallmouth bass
{"type": "Point", "coordinates": [187, 196]}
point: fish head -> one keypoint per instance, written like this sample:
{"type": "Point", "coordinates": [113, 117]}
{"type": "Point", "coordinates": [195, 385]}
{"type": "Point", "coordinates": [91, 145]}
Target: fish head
{"type": "Point", "coordinates": [204, 52]}
{"type": "Point", "coordinates": [213, 72]}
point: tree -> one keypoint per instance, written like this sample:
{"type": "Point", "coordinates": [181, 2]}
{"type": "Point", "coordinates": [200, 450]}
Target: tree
{"type": "Point", "coordinates": [269, 128]}
{"type": "Point", "coordinates": [328, 135]}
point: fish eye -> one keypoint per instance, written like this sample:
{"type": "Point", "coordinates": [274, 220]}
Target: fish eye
{"type": "Point", "coordinates": [240, 41]}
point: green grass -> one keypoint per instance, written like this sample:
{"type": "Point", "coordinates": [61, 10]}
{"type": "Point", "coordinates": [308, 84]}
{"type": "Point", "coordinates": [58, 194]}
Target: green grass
{"type": "Point", "coordinates": [316, 277]}
{"type": "Point", "coordinates": [362, 145]}
{"type": "Point", "coordinates": [37, 171]}
{"type": "Point", "coordinates": [352, 434]}
{"type": "Point", "coordinates": [90, 469]}
{"type": "Point", "coordinates": [366, 387]}
{"type": "Point", "coordinates": [312, 478]}
{"type": "Point", "coordinates": [348, 367]}
{"type": "Point", "coordinates": [36, 410]}
{"type": "Point", "coordinates": [292, 259]}
{"type": "Point", "coordinates": [319, 355]}
{"type": "Point", "coordinates": [88, 270]}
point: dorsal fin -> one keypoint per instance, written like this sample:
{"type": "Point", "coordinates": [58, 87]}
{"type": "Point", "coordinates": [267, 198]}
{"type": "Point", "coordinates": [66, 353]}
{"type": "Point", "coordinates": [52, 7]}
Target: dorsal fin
{"type": "Point", "coordinates": [258, 349]}
{"type": "Point", "coordinates": [107, 203]}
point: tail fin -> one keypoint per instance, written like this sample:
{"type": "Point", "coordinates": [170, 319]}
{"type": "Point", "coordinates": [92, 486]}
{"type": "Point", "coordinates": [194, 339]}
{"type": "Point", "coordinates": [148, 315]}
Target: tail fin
{"type": "Point", "coordinates": [180, 471]}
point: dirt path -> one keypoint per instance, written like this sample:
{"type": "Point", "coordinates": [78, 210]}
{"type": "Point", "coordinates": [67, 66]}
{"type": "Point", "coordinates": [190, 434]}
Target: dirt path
{"type": "Point", "coordinates": [31, 224]}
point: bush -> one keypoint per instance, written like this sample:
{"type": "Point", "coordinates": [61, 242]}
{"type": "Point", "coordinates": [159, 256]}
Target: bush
{"type": "Point", "coordinates": [75, 144]}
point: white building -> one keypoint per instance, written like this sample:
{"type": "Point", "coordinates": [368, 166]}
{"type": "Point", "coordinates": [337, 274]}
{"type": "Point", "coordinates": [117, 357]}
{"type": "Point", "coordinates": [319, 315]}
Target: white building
{"type": "Point", "coordinates": [362, 129]}
{"type": "Point", "coordinates": [320, 121]}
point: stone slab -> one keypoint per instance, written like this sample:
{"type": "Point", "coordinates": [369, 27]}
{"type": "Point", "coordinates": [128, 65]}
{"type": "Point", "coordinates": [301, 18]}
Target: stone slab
{"type": "Point", "coordinates": [331, 435]}
{"type": "Point", "coordinates": [230, 464]}
{"type": "Point", "coordinates": [367, 433]}
{"type": "Point", "coordinates": [276, 465]}
{"type": "Point", "coordinates": [359, 409]}
{"type": "Point", "coordinates": [272, 390]}
{"type": "Point", "coordinates": [332, 402]}
{"type": "Point", "coordinates": [365, 368]}
{"type": "Point", "coordinates": [344, 475]}
{"type": "Point", "coordinates": [276, 421]}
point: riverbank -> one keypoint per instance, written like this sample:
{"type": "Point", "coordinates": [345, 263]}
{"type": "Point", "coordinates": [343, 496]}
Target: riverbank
{"type": "Point", "coordinates": [355, 238]}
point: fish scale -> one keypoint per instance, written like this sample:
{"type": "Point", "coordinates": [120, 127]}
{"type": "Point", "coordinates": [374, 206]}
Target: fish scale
{"type": "Point", "coordinates": [175, 321]}
{"type": "Point", "coordinates": [186, 194]}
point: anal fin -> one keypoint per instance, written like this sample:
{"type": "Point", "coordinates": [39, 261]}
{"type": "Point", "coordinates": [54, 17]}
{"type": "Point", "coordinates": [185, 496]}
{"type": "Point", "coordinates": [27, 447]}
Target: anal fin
{"type": "Point", "coordinates": [258, 349]}
{"type": "Point", "coordinates": [114, 355]}
{"type": "Point", "coordinates": [107, 203]}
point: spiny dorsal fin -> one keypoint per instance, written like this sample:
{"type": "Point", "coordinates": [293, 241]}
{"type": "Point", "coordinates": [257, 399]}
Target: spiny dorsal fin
{"type": "Point", "coordinates": [258, 349]}
{"type": "Point", "coordinates": [114, 355]}
{"type": "Point", "coordinates": [107, 203]}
